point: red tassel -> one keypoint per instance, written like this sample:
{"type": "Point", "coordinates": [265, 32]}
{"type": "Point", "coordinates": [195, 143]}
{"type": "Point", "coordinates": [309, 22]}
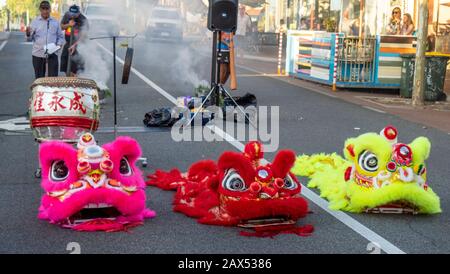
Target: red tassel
{"type": "Point", "coordinates": [272, 231]}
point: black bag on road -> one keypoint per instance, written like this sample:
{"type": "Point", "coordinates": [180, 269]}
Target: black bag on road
{"type": "Point", "coordinates": [161, 117]}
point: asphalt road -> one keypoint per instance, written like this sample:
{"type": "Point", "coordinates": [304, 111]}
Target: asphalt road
{"type": "Point", "coordinates": [309, 123]}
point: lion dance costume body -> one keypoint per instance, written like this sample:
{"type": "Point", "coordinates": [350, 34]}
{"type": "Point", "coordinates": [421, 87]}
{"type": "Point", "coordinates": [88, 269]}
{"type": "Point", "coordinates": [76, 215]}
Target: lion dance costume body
{"type": "Point", "coordinates": [240, 191]}
{"type": "Point", "coordinates": [93, 188]}
{"type": "Point", "coordinates": [378, 175]}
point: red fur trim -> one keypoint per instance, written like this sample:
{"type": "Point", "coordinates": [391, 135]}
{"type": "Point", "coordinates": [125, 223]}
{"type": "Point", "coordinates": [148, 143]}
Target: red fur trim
{"type": "Point", "coordinates": [201, 170]}
{"type": "Point", "coordinates": [293, 208]}
{"type": "Point", "coordinates": [283, 163]}
{"type": "Point", "coordinates": [219, 219]}
{"type": "Point", "coordinates": [240, 163]}
{"type": "Point", "coordinates": [254, 150]}
{"type": "Point", "coordinates": [166, 180]}
{"type": "Point", "coordinates": [198, 193]}
{"type": "Point", "coordinates": [195, 200]}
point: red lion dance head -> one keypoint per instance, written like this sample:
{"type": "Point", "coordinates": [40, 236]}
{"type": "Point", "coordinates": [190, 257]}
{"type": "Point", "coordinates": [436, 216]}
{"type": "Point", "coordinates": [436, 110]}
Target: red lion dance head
{"type": "Point", "coordinates": [240, 190]}
{"type": "Point", "coordinates": [93, 188]}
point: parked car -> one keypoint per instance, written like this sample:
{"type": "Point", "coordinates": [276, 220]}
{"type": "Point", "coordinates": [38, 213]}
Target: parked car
{"type": "Point", "coordinates": [164, 23]}
{"type": "Point", "coordinates": [103, 20]}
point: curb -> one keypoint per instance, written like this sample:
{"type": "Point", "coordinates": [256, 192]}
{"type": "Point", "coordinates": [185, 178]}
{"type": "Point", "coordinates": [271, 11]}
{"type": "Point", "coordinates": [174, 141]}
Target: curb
{"type": "Point", "coordinates": [260, 58]}
{"type": "Point", "coordinates": [4, 35]}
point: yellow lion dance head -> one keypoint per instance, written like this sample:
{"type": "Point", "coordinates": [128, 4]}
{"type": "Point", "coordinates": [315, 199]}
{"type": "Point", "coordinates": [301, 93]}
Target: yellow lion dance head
{"type": "Point", "coordinates": [378, 175]}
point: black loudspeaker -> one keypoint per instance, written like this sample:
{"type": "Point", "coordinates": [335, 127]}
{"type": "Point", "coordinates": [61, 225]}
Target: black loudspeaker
{"type": "Point", "coordinates": [222, 15]}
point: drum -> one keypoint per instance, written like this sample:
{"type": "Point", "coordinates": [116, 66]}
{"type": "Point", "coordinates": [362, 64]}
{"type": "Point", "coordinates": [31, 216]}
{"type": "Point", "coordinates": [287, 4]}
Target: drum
{"type": "Point", "coordinates": [63, 108]}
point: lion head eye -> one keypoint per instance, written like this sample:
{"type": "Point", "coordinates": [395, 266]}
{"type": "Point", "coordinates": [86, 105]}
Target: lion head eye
{"type": "Point", "coordinates": [233, 181]}
{"type": "Point", "coordinates": [125, 168]}
{"type": "Point", "coordinates": [289, 183]}
{"type": "Point", "coordinates": [59, 171]}
{"type": "Point", "coordinates": [368, 161]}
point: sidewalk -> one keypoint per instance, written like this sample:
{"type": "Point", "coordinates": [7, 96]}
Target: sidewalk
{"type": "Point", "coordinates": [436, 115]}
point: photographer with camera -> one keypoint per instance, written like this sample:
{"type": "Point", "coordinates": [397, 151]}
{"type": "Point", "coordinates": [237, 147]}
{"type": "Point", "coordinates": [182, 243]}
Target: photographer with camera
{"type": "Point", "coordinates": [75, 26]}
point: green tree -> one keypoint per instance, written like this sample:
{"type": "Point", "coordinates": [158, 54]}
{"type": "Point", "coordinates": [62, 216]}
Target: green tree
{"type": "Point", "coordinates": [19, 8]}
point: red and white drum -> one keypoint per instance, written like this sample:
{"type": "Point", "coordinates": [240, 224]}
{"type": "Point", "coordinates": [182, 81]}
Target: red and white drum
{"type": "Point", "coordinates": [63, 108]}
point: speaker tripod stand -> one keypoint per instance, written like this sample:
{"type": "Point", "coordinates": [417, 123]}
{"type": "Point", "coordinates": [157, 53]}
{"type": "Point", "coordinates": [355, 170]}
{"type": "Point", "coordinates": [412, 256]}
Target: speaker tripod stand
{"type": "Point", "coordinates": [217, 88]}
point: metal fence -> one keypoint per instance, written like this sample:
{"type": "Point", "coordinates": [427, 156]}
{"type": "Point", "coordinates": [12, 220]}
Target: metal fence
{"type": "Point", "coordinates": [356, 59]}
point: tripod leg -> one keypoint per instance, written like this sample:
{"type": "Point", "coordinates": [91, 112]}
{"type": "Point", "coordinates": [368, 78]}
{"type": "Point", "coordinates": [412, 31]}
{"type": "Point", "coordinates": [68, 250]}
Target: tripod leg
{"type": "Point", "coordinates": [202, 105]}
{"type": "Point", "coordinates": [238, 106]}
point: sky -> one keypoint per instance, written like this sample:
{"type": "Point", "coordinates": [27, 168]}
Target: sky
{"type": "Point", "coordinates": [2, 3]}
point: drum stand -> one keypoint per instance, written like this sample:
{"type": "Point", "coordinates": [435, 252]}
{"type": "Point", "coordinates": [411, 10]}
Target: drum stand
{"type": "Point", "coordinates": [217, 88]}
{"type": "Point", "coordinates": [143, 160]}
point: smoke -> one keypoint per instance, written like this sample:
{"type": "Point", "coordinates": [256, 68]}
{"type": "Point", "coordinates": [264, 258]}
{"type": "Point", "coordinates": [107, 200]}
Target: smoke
{"type": "Point", "coordinates": [188, 62]}
{"type": "Point", "coordinates": [189, 59]}
{"type": "Point", "coordinates": [97, 65]}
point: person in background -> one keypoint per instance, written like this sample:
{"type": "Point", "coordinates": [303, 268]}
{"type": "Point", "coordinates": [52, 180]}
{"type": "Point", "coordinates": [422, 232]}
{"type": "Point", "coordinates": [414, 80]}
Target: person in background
{"type": "Point", "coordinates": [303, 24]}
{"type": "Point", "coordinates": [243, 27]}
{"type": "Point", "coordinates": [349, 26]}
{"type": "Point", "coordinates": [224, 46]}
{"type": "Point", "coordinates": [408, 25]}
{"type": "Point", "coordinates": [74, 21]}
{"type": "Point", "coordinates": [394, 26]}
{"type": "Point", "coordinates": [283, 26]}
{"type": "Point", "coordinates": [45, 30]}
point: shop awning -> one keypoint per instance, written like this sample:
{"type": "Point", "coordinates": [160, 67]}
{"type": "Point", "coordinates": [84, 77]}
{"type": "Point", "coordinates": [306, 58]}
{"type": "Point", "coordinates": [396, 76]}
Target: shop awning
{"type": "Point", "coordinates": [253, 3]}
{"type": "Point", "coordinates": [254, 11]}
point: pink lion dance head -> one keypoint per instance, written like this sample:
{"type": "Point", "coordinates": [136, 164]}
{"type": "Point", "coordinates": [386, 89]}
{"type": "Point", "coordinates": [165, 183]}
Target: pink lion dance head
{"type": "Point", "coordinates": [93, 188]}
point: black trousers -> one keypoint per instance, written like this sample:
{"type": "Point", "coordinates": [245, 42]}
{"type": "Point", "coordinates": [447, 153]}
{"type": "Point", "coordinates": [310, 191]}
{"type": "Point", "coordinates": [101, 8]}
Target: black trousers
{"type": "Point", "coordinates": [76, 61]}
{"type": "Point", "coordinates": [40, 66]}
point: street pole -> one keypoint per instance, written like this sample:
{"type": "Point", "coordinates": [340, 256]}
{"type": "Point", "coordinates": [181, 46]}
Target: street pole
{"type": "Point", "coordinates": [8, 20]}
{"type": "Point", "coordinates": [115, 86]}
{"type": "Point", "coordinates": [418, 96]}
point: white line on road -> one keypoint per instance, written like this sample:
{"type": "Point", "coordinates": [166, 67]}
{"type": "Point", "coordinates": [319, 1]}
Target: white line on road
{"type": "Point", "coordinates": [374, 109]}
{"type": "Point", "coordinates": [259, 58]}
{"type": "Point", "coordinates": [3, 45]}
{"type": "Point", "coordinates": [356, 226]}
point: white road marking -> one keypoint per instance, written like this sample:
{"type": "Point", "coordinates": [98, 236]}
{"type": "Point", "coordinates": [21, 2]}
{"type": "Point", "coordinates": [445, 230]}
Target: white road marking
{"type": "Point", "coordinates": [3, 44]}
{"type": "Point", "coordinates": [16, 124]}
{"type": "Point", "coordinates": [356, 226]}
{"type": "Point", "coordinates": [259, 58]}
{"type": "Point", "coordinates": [260, 75]}
{"type": "Point", "coordinates": [374, 109]}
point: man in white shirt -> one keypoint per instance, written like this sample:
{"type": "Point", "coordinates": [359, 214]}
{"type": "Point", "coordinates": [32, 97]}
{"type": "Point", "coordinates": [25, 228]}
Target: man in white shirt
{"type": "Point", "coordinates": [44, 31]}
